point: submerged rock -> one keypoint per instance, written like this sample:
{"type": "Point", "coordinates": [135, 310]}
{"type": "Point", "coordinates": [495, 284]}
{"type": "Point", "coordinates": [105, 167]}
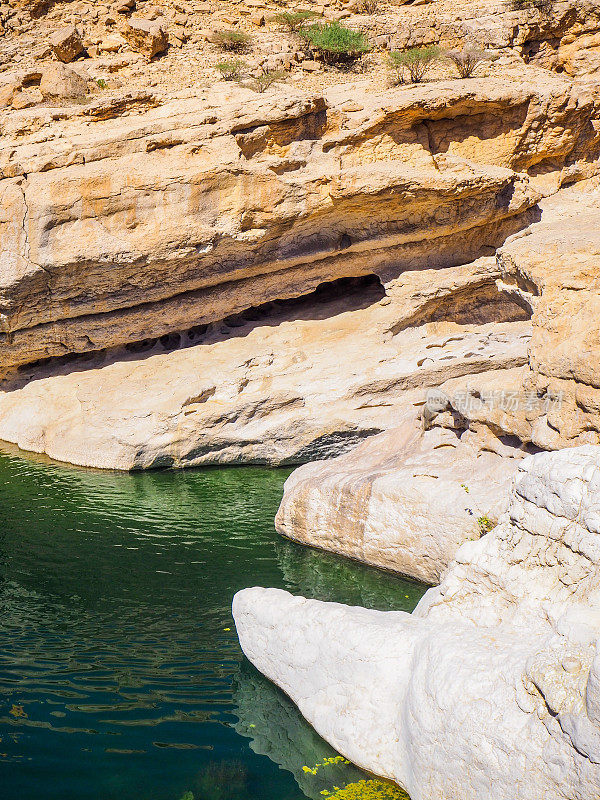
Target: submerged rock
{"type": "Point", "coordinates": [491, 689]}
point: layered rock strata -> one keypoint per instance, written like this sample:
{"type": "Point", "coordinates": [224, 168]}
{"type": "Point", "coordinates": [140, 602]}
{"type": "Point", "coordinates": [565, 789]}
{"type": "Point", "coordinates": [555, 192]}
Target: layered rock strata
{"type": "Point", "coordinates": [138, 235]}
{"type": "Point", "coordinates": [555, 401]}
{"type": "Point", "coordinates": [282, 384]}
{"type": "Point", "coordinates": [399, 501]}
{"type": "Point", "coordinates": [117, 231]}
{"type": "Point", "coordinates": [491, 688]}
{"type": "Point", "coordinates": [558, 35]}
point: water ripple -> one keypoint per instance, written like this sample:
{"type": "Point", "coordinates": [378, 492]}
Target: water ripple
{"type": "Point", "coordinates": [119, 663]}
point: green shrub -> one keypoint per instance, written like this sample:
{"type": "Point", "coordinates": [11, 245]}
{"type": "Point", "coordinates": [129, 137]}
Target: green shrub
{"type": "Point", "coordinates": [368, 6]}
{"type": "Point", "coordinates": [466, 60]}
{"type": "Point", "coordinates": [414, 62]}
{"type": "Point", "coordinates": [294, 20]}
{"type": "Point", "coordinates": [266, 79]}
{"type": "Point", "coordinates": [335, 43]}
{"type": "Point", "coordinates": [485, 524]}
{"type": "Point", "coordinates": [238, 41]}
{"type": "Point", "coordinates": [231, 70]}
{"type": "Point", "coordinates": [102, 83]}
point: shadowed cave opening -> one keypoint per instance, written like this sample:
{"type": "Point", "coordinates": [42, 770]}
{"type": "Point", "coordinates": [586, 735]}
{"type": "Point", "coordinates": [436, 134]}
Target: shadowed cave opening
{"type": "Point", "coordinates": [328, 300]}
{"type": "Point", "coordinates": [471, 305]}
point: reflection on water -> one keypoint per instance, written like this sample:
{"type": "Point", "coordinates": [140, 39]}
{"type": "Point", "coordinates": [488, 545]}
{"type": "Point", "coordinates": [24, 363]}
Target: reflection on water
{"type": "Point", "coordinates": [276, 729]}
{"type": "Point", "coordinates": [120, 671]}
{"type": "Point", "coordinates": [327, 577]}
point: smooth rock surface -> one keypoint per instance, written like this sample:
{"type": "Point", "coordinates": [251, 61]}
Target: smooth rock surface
{"type": "Point", "coordinates": [404, 500]}
{"type": "Point", "coordinates": [491, 689]}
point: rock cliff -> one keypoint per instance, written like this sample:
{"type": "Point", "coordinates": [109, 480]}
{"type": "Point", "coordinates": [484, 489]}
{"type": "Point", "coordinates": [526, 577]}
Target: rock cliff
{"type": "Point", "coordinates": [138, 237]}
{"type": "Point", "coordinates": [193, 271]}
{"type": "Point", "coordinates": [117, 231]}
{"type": "Point", "coordinates": [405, 503]}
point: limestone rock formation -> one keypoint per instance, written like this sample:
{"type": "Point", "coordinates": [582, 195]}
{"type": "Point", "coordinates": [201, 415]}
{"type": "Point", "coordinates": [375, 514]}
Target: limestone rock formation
{"type": "Point", "coordinates": [404, 500]}
{"type": "Point", "coordinates": [281, 384]}
{"type": "Point", "coordinates": [553, 268]}
{"type": "Point", "coordinates": [374, 504]}
{"type": "Point", "coordinates": [490, 689]}
{"type": "Point", "coordinates": [561, 35]}
{"type": "Point", "coordinates": [66, 44]}
{"type": "Point", "coordinates": [137, 231]}
{"type": "Point", "coordinates": [60, 81]}
{"type": "Point", "coordinates": [382, 504]}
{"type": "Point", "coordinates": [141, 214]}
{"type": "Point", "coordinates": [150, 38]}
{"type": "Point", "coordinates": [205, 206]}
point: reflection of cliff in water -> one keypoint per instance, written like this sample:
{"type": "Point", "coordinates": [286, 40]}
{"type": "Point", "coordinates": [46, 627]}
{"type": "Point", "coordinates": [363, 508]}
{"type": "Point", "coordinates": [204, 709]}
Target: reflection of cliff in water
{"type": "Point", "coordinates": [277, 730]}
{"type": "Point", "coordinates": [325, 576]}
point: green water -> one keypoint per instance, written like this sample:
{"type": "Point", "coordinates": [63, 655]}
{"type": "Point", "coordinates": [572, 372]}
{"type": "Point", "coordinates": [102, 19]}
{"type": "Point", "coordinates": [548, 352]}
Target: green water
{"type": "Point", "coordinates": [120, 671]}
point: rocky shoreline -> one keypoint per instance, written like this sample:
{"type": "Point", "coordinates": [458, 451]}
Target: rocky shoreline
{"type": "Point", "coordinates": [490, 689]}
{"type": "Point", "coordinates": [393, 286]}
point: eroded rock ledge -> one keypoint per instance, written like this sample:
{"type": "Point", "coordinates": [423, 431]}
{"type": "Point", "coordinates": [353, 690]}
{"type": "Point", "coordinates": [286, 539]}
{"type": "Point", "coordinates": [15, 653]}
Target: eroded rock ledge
{"type": "Point", "coordinates": [225, 279]}
{"type": "Point", "coordinates": [284, 384]}
{"type": "Point", "coordinates": [491, 689]}
{"type": "Point", "coordinates": [406, 500]}
{"type": "Point", "coordinates": [118, 230]}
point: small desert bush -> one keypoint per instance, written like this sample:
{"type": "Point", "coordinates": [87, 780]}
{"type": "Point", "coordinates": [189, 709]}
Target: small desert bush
{"type": "Point", "coordinates": [266, 79]}
{"type": "Point", "coordinates": [466, 60]}
{"type": "Point", "coordinates": [237, 41]}
{"type": "Point", "coordinates": [413, 63]}
{"type": "Point", "coordinates": [368, 6]}
{"type": "Point", "coordinates": [485, 524]}
{"type": "Point", "coordinates": [232, 70]}
{"type": "Point", "coordinates": [294, 20]}
{"type": "Point", "coordinates": [335, 43]}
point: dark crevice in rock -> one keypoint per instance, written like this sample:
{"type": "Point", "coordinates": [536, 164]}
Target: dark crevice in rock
{"type": "Point", "coordinates": [472, 305]}
{"type": "Point", "coordinates": [327, 300]}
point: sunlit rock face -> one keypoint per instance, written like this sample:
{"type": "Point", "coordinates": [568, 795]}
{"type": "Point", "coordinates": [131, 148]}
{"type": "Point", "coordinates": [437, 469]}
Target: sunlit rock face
{"type": "Point", "coordinates": [491, 688]}
{"type": "Point", "coordinates": [552, 268]}
{"type": "Point", "coordinates": [404, 500]}
{"type": "Point", "coordinates": [407, 499]}
{"type": "Point", "coordinates": [286, 383]}
{"type": "Point", "coordinates": [190, 209]}
{"type": "Point", "coordinates": [147, 257]}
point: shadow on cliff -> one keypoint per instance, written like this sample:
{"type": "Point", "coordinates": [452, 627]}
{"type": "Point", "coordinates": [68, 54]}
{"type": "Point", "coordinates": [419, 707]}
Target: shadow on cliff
{"type": "Point", "coordinates": [328, 300]}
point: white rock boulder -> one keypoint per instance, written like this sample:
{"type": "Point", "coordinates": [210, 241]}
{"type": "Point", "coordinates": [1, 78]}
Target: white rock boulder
{"type": "Point", "coordinates": [491, 688]}
{"type": "Point", "coordinates": [404, 500]}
